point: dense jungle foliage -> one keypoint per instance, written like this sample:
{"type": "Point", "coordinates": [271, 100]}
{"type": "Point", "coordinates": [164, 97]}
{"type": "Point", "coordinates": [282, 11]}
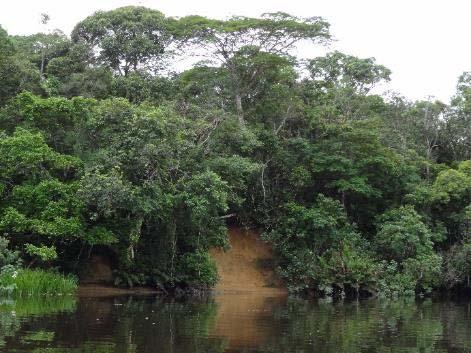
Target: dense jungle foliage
{"type": "Point", "coordinates": [107, 147]}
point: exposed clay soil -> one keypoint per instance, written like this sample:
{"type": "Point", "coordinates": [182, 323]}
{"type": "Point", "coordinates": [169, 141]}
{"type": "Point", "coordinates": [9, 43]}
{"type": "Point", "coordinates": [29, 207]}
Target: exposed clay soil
{"type": "Point", "coordinates": [248, 289]}
{"type": "Point", "coordinates": [247, 266]}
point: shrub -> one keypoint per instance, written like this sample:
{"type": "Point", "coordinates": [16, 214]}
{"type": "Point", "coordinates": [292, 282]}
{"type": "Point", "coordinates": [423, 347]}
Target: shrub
{"type": "Point", "coordinates": [393, 282]}
{"type": "Point", "coordinates": [402, 234]}
{"type": "Point", "coordinates": [458, 265]}
{"type": "Point", "coordinates": [198, 269]}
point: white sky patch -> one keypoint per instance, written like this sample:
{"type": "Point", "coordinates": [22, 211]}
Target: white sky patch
{"type": "Point", "coordinates": [424, 42]}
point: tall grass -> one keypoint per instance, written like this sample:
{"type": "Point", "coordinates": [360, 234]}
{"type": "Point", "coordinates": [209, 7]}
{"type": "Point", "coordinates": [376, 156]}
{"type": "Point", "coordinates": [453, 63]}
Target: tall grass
{"type": "Point", "coordinates": [26, 282]}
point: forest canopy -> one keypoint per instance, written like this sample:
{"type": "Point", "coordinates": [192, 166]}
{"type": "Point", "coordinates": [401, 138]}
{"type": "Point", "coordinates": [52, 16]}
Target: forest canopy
{"type": "Point", "coordinates": [103, 149]}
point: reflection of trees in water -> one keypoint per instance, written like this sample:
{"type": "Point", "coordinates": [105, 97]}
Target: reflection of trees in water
{"type": "Point", "coordinates": [14, 314]}
{"type": "Point", "coordinates": [170, 327]}
{"type": "Point", "coordinates": [119, 325]}
{"type": "Point", "coordinates": [371, 326]}
{"type": "Point", "coordinates": [145, 325]}
{"type": "Point", "coordinates": [9, 325]}
{"type": "Point", "coordinates": [456, 321]}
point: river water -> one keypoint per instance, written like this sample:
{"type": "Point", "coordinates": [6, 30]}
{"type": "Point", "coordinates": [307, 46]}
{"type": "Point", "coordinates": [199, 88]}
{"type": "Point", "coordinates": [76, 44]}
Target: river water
{"type": "Point", "coordinates": [232, 322]}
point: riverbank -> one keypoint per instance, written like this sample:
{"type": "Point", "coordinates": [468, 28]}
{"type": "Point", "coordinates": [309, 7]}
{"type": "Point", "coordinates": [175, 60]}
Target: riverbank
{"type": "Point", "coordinates": [98, 290]}
{"type": "Point", "coordinates": [248, 266]}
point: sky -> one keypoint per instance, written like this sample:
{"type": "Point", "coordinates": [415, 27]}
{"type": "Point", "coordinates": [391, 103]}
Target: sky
{"type": "Point", "coordinates": [426, 43]}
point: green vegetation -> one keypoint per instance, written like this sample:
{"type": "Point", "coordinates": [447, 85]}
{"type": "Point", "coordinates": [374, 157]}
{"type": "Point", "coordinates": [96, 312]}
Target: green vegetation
{"type": "Point", "coordinates": [27, 283]}
{"type": "Point", "coordinates": [38, 305]}
{"type": "Point", "coordinates": [104, 149]}
{"type": "Point", "coordinates": [13, 312]}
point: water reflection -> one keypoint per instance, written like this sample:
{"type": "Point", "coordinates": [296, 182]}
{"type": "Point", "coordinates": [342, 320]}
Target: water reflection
{"type": "Point", "coordinates": [245, 320]}
{"type": "Point", "coordinates": [231, 322]}
{"type": "Point", "coordinates": [15, 312]}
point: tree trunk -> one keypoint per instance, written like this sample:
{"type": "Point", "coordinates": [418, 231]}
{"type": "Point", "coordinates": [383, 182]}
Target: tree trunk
{"type": "Point", "coordinates": [239, 109]}
{"type": "Point", "coordinates": [172, 230]}
{"type": "Point", "coordinates": [43, 59]}
{"type": "Point", "coordinates": [134, 236]}
{"type": "Point", "coordinates": [237, 91]}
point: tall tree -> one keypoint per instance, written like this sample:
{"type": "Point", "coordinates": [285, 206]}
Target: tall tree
{"type": "Point", "coordinates": [16, 72]}
{"type": "Point", "coordinates": [41, 48]}
{"type": "Point", "coordinates": [340, 85]}
{"type": "Point", "coordinates": [273, 33]}
{"type": "Point", "coordinates": [128, 38]}
{"type": "Point", "coordinates": [416, 126]}
{"type": "Point", "coordinates": [346, 71]}
{"type": "Point", "coordinates": [45, 18]}
{"type": "Point", "coordinates": [458, 124]}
